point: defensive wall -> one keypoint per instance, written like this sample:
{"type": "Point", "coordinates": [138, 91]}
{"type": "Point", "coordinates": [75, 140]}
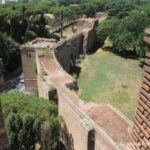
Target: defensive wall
{"type": "Point", "coordinates": [81, 128]}
{"type": "Point", "coordinates": [86, 126]}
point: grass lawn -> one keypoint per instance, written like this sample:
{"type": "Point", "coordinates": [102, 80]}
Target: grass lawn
{"type": "Point", "coordinates": [108, 78]}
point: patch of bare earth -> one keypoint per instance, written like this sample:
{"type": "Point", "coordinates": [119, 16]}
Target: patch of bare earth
{"type": "Point", "coordinates": [111, 121]}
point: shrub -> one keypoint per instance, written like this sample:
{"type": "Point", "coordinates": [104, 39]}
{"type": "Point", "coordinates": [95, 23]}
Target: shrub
{"type": "Point", "coordinates": [29, 35]}
{"type": "Point", "coordinates": [25, 117]}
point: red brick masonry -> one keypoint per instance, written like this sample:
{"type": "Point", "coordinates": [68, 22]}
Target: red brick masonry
{"type": "Point", "coordinates": [140, 136]}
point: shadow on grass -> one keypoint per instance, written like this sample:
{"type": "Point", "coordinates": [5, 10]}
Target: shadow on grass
{"type": "Point", "coordinates": [76, 70]}
{"type": "Point", "coordinates": [125, 54]}
{"type": "Point", "coordinates": [93, 50]}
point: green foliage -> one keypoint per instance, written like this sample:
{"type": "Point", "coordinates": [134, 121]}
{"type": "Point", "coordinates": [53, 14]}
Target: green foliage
{"type": "Point", "coordinates": [9, 52]}
{"type": "Point", "coordinates": [105, 29]}
{"type": "Point", "coordinates": [34, 66]}
{"type": "Point", "coordinates": [141, 62]}
{"type": "Point", "coordinates": [127, 33]}
{"type": "Point", "coordinates": [29, 35]}
{"type": "Point", "coordinates": [23, 133]}
{"type": "Point", "coordinates": [25, 21]}
{"type": "Point", "coordinates": [26, 117]}
{"type": "Point", "coordinates": [119, 8]}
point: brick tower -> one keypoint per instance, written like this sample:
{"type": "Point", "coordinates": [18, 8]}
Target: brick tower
{"type": "Point", "coordinates": [140, 136]}
{"type": "Point", "coordinates": [29, 66]}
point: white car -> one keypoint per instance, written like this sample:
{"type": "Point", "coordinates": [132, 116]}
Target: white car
{"type": "Point", "coordinates": [21, 80]}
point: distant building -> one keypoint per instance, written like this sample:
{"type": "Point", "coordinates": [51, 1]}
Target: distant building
{"type": "Point", "coordinates": [2, 1]}
{"type": "Point", "coordinates": [7, 1]}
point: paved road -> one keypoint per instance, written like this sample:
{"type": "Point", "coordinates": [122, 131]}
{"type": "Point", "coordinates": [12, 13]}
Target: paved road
{"type": "Point", "coordinates": [13, 85]}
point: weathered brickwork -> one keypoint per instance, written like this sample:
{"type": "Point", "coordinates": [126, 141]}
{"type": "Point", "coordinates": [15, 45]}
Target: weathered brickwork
{"type": "Point", "coordinates": [29, 68]}
{"type": "Point", "coordinates": [140, 136]}
{"type": "Point", "coordinates": [67, 51]}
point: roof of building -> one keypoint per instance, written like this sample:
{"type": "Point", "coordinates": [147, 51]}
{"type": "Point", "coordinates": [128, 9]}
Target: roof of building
{"type": "Point", "coordinates": [147, 31]}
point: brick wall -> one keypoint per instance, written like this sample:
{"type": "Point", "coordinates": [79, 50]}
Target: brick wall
{"type": "Point", "coordinates": [88, 27]}
{"type": "Point", "coordinates": [28, 61]}
{"type": "Point", "coordinates": [79, 131]}
{"type": "Point", "coordinates": [140, 136]}
{"type": "Point", "coordinates": [67, 51]}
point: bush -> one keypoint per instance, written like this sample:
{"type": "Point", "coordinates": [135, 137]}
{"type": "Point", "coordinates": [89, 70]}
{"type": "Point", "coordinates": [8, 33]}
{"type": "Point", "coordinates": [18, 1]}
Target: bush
{"type": "Point", "coordinates": [9, 52]}
{"type": "Point", "coordinates": [105, 29]}
{"type": "Point", "coordinates": [119, 8]}
{"type": "Point", "coordinates": [126, 34]}
{"type": "Point", "coordinates": [141, 62]}
{"type": "Point", "coordinates": [25, 117]}
{"type": "Point", "coordinates": [30, 35]}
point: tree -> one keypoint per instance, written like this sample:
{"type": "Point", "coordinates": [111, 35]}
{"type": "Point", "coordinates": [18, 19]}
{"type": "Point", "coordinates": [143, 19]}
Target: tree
{"type": "Point", "coordinates": [9, 52]}
{"type": "Point", "coordinates": [106, 29]}
{"type": "Point", "coordinates": [22, 133]}
{"type": "Point", "coordinates": [127, 33]}
{"type": "Point", "coordinates": [119, 8]}
{"type": "Point", "coordinates": [60, 13]}
{"type": "Point", "coordinates": [26, 124]}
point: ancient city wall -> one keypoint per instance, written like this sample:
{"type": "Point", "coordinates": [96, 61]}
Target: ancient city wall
{"type": "Point", "coordinates": [88, 28]}
{"type": "Point", "coordinates": [80, 130]}
{"type": "Point", "coordinates": [67, 51]}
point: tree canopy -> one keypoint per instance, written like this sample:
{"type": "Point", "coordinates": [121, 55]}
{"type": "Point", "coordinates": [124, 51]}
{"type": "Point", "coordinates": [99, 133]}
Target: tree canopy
{"type": "Point", "coordinates": [125, 27]}
{"type": "Point", "coordinates": [28, 120]}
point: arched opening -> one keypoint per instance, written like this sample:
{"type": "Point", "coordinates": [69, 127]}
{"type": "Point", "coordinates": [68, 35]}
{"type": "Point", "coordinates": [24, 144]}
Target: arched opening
{"type": "Point", "coordinates": [62, 146]}
{"type": "Point", "coordinates": [52, 95]}
{"type": "Point", "coordinates": [91, 140]}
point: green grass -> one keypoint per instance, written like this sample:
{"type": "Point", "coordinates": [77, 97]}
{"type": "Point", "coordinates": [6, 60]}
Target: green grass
{"type": "Point", "coordinates": [108, 78]}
